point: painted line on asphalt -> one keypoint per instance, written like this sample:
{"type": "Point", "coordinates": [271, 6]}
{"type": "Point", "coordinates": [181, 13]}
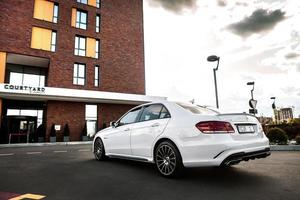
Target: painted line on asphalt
{"type": "Point", "coordinates": [7, 154]}
{"type": "Point", "coordinates": [33, 152]}
{"type": "Point", "coordinates": [84, 150]}
{"type": "Point", "coordinates": [28, 196]}
{"type": "Point", "coordinates": [60, 151]}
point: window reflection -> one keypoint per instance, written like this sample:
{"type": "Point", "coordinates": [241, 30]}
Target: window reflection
{"type": "Point", "coordinates": [91, 119]}
{"type": "Point", "coordinates": [25, 112]}
{"type": "Point", "coordinates": [29, 76]}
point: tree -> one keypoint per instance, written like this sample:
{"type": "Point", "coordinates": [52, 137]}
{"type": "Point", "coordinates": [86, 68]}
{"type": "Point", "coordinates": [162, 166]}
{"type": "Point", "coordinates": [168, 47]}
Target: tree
{"type": "Point", "coordinates": [277, 135]}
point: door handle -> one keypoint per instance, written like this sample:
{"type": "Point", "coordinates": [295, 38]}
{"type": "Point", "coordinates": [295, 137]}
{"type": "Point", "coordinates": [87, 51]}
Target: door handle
{"type": "Point", "coordinates": [127, 129]}
{"type": "Point", "coordinates": [155, 125]}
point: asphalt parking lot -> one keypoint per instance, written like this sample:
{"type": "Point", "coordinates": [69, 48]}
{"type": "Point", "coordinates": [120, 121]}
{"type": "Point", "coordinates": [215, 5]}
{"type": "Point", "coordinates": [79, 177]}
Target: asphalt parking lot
{"type": "Point", "coordinates": [70, 172]}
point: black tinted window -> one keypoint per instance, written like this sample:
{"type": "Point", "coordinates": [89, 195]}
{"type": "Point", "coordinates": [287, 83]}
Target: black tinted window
{"type": "Point", "coordinates": [151, 112]}
{"type": "Point", "coordinates": [164, 113]}
{"type": "Point", "coordinates": [130, 117]}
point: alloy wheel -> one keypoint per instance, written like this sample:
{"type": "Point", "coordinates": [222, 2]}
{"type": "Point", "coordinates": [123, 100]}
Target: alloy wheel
{"type": "Point", "coordinates": [98, 149]}
{"type": "Point", "coordinates": [166, 160]}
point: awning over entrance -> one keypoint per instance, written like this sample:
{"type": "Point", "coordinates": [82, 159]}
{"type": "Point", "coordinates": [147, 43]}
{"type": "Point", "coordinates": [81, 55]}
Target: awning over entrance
{"type": "Point", "coordinates": [30, 93]}
{"type": "Point", "coordinates": [27, 60]}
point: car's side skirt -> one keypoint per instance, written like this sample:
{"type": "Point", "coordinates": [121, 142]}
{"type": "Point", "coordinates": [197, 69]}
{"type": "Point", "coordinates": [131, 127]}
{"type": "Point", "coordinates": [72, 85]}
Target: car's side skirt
{"type": "Point", "coordinates": [128, 157]}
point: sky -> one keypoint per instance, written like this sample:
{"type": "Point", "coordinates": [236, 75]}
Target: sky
{"type": "Point", "coordinates": [256, 41]}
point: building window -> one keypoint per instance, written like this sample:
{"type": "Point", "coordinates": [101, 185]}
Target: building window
{"type": "Point", "coordinates": [46, 10]}
{"type": "Point", "coordinates": [53, 41]}
{"type": "Point", "coordinates": [55, 13]}
{"type": "Point", "coordinates": [81, 19]}
{"type": "Point", "coordinates": [97, 47]}
{"type": "Point", "coordinates": [79, 74]}
{"type": "Point", "coordinates": [88, 47]}
{"type": "Point", "coordinates": [43, 39]}
{"type": "Point", "coordinates": [98, 3]}
{"type": "Point", "coordinates": [26, 76]}
{"type": "Point", "coordinates": [92, 48]}
{"type": "Point", "coordinates": [27, 112]}
{"type": "Point", "coordinates": [82, 1]}
{"type": "Point", "coordinates": [98, 23]}
{"type": "Point", "coordinates": [91, 116]}
{"type": "Point", "coordinates": [80, 46]}
{"type": "Point", "coordinates": [95, 3]}
{"type": "Point", "coordinates": [97, 76]}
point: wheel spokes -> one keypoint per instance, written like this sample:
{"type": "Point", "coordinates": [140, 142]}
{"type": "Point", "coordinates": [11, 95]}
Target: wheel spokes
{"type": "Point", "coordinates": [166, 159]}
{"type": "Point", "coordinates": [98, 149]}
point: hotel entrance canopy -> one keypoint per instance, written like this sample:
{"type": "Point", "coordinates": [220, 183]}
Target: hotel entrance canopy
{"type": "Point", "coordinates": [30, 93]}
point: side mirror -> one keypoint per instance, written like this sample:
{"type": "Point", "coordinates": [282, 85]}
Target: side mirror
{"type": "Point", "coordinates": [113, 124]}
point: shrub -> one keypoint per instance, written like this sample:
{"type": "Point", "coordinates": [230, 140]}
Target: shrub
{"type": "Point", "coordinates": [277, 135]}
{"type": "Point", "coordinates": [291, 129]}
{"type": "Point", "coordinates": [41, 130]}
{"type": "Point", "coordinates": [298, 139]}
{"type": "Point", "coordinates": [84, 130]}
{"type": "Point", "coordinates": [52, 131]}
{"type": "Point", "coordinates": [66, 130]}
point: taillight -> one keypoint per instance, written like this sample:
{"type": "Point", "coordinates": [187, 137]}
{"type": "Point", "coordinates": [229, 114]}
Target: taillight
{"type": "Point", "coordinates": [215, 127]}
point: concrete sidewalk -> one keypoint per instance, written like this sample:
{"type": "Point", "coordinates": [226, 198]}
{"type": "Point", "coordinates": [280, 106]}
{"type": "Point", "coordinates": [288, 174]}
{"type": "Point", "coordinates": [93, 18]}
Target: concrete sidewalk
{"type": "Point", "coordinates": [273, 147]}
{"type": "Point", "coordinates": [44, 144]}
{"type": "Point", "coordinates": [290, 147]}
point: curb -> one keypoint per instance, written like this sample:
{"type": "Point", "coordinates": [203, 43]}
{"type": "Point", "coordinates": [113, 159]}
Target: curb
{"type": "Point", "coordinates": [272, 147]}
{"type": "Point", "coordinates": [44, 144]}
{"type": "Point", "coordinates": [285, 147]}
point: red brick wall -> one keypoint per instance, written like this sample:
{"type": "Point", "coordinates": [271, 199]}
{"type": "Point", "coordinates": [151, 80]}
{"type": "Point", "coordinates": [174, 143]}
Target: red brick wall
{"type": "Point", "coordinates": [111, 112]}
{"type": "Point", "coordinates": [121, 39]}
{"type": "Point", "coordinates": [60, 113]}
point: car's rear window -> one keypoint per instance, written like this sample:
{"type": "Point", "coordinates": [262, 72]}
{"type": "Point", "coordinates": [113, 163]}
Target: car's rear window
{"type": "Point", "coordinates": [197, 109]}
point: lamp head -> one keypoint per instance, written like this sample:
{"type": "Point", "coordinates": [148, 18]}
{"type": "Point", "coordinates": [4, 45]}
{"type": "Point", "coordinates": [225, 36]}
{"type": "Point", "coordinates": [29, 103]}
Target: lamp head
{"type": "Point", "coordinates": [212, 58]}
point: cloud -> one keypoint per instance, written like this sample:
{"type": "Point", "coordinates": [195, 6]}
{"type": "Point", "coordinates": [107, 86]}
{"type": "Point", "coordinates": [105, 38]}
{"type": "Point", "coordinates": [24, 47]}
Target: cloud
{"type": "Point", "coordinates": [290, 90]}
{"type": "Point", "coordinates": [241, 4]}
{"type": "Point", "coordinates": [298, 67]}
{"type": "Point", "coordinates": [292, 55]}
{"type": "Point", "coordinates": [259, 21]}
{"type": "Point", "coordinates": [261, 63]}
{"type": "Point", "coordinates": [222, 3]}
{"type": "Point", "coordinates": [176, 6]}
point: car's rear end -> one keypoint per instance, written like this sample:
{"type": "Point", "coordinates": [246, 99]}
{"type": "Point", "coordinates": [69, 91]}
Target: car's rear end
{"type": "Point", "coordinates": [223, 139]}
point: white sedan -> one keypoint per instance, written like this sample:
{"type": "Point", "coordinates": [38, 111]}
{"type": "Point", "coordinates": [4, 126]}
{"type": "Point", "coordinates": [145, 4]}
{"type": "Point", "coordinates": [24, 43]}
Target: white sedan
{"type": "Point", "coordinates": [177, 135]}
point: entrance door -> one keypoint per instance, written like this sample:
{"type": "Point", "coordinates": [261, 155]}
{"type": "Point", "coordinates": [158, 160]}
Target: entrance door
{"type": "Point", "coordinates": [21, 129]}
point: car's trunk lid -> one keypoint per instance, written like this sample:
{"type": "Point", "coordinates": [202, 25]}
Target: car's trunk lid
{"type": "Point", "coordinates": [246, 126]}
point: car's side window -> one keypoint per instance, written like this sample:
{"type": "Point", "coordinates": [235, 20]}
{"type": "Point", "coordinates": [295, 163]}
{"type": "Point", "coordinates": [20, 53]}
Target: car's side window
{"type": "Point", "coordinates": [130, 117]}
{"type": "Point", "coordinates": [151, 112]}
{"type": "Point", "coordinates": [164, 113]}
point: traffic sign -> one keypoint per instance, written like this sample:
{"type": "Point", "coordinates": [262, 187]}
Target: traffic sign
{"type": "Point", "coordinates": [253, 111]}
{"type": "Point", "coordinates": [252, 103]}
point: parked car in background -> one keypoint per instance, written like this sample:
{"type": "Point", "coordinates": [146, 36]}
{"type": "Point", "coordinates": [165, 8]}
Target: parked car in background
{"type": "Point", "coordinates": [177, 135]}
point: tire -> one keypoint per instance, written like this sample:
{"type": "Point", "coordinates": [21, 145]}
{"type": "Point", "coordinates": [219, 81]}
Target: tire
{"type": "Point", "coordinates": [99, 151]}
{"type": "Point", "coordinates": [168, 160]}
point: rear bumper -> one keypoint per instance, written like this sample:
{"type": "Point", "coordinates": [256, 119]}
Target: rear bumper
{"type": "Point", "coordinates": [219, 154]}
{"type": "Point", "coordinates": [245, 156]}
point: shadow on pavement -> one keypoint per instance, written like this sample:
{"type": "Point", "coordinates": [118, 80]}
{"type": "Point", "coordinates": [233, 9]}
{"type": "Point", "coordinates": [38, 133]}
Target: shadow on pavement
{"type": "Point", "coordinates": [233, 175]}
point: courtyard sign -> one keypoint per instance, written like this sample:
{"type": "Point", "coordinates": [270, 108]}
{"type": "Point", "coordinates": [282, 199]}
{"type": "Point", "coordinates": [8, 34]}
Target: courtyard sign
{"type": "Point", "coordinates": [30, 89]}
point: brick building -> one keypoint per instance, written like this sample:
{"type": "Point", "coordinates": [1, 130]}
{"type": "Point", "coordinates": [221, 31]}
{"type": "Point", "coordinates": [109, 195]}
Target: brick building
{"type": "Point", "coordinates": [75, 62]}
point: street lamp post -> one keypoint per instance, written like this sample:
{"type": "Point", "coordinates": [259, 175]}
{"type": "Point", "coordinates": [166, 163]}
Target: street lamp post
{"type": "Point", "coordinates": [214, 58]}
{"type": "Point", "coordinates": [251, 83]}
{"type": "Point", "coordinates": [274, 110]}
{"type": "Point", "coordinates": [252, 101]}
{"type": "Point", "coordinates": [273, 104]}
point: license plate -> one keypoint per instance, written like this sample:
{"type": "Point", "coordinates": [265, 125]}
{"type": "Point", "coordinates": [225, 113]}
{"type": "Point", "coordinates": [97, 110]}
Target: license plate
{"type": "Point", "coordinates": [246, 128]}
